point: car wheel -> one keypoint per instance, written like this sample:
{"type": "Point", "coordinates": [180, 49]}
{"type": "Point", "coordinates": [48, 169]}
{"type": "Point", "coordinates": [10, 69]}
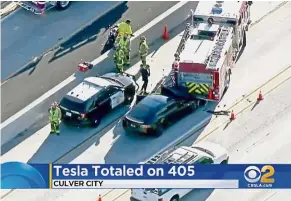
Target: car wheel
{"type": "Point", "coordinates": [224, 162]}
{"type": "Point", "coordinates": [128, 99]}
{"type": "Point", "coordinates": [158, 131]}
{"type": "Point", "coordinates": [175, 198]}
{"type": "Point", "coordinates": [63, 5]}
{"type": "Point", "coordinates": [95, 122]}
{"type": "Point", "coordinates": [194, 106]}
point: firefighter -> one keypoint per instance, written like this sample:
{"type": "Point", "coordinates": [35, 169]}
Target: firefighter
{"type": "Point", "coordinates": [55, 116]}
{"type": "Point", "coordinates": [125, 46]}
{"type": "Point", "coordinates": [143, 49]}
{"type": "Point", "coordinates": [125, 28]}
{"type": "Point", "coordinates": [145, 73]}
{"type": "Point", "coordinates": [119, 59]}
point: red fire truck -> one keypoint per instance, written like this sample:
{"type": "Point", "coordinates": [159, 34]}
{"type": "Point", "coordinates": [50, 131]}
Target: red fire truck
{"type": "Point", "coordinates": [208, 50]}
{"type": "Point", "coordinates": [39, 7]}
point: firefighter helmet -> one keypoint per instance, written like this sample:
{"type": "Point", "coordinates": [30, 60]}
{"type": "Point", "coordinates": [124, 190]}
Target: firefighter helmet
{"type": "Point", "coordinates": [142, 38]}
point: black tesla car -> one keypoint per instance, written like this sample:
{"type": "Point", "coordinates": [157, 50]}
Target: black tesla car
{"type": "Point", "coordinates": [95, 97]}
{"type": "Point", "coordinates": [154, 113]}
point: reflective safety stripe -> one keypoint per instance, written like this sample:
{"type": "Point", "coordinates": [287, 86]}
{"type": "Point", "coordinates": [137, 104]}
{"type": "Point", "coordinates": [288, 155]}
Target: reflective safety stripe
{"type": "Point", "coordinates": [197, 88]}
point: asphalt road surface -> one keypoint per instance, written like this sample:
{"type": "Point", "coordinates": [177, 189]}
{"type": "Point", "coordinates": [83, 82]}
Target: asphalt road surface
{"type": "Point", "coordinates": [56, 66]}
{"type": "Point", "coordinates": [25, 35]}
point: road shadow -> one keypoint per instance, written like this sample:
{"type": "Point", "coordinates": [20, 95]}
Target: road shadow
{"type": "Point", "coordinates": [105, 66]}
{"type": "Point", "coordinates": [91, 32]}
{"type": "Point", "coordinates": [133, 147]}
{"type": "Point", "coordinates": [24, 135]}
{"type": "Point", "coordinates": [30, 66]}
{"type": "Point", "coordinates": [126, 148]}
{"type": "Point", "coordinates": [62, 147]}
{"type": "Point", "coordinates": [241, 52]}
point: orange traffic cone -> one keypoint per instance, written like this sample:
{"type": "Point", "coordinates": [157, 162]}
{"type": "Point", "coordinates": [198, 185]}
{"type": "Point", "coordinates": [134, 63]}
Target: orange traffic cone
{"type": "Point", "coordinates": [260, 97]}
{"type": "Point", "coordinates": [232, 117]}
{"type": "Point", "coordinates": [99, 198]}
{"type": "Point", "coordinates": [166, 34]}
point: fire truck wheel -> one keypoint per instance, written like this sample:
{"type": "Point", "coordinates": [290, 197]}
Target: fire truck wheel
{"type": "Point", "coordinates": [247, 27]}
{"type": "Point", "coordinates": [244, 39]}
{"type": "Point", "coordinates": [175, 198]}
{"type": "Point", "coordinates": [228, 79]}
{"type": "Point", "coordinates": [63, 5]}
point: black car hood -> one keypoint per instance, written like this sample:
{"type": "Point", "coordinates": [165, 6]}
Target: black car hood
{"type": "Point", "coordinates": [141, 113]}
{"type": "Point", "coordinates": [121, 79]}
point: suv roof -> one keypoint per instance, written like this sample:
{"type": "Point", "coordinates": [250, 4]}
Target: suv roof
{"type": "Point", "coordinates": [88, 88]}
{"type": "Point", "coordinates": [181, 155]}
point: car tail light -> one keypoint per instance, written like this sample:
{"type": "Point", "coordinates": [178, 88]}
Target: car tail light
{"type": "Point", "coordinates": [160, 199]}
{"type": "Point", "coordinates": [175, 65]}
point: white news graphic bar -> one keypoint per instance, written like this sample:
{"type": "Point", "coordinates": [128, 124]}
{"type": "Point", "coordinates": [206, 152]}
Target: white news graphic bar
{"type": "Point", "coordinates": [125, 184]}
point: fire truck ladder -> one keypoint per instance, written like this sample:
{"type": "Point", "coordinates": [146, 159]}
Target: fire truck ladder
{"type": "Point", "coordinates": [218, 47]}
{"type": "Point", "coordinates": [185, 37]}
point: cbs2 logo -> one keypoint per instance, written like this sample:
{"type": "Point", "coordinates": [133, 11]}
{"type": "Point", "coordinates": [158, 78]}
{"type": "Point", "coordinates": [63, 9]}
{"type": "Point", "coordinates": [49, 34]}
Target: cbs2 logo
{"type": "Point", "coordinates": [253, 174]}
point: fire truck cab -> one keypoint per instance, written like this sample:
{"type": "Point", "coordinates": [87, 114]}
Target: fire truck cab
{"type": "Point", "coordinates": [208, 49]}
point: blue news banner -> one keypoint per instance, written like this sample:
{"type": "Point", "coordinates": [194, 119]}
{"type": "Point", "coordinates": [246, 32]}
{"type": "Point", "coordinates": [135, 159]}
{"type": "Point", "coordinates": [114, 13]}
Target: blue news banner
{"type": "Point", "coordinates": [17, 175]}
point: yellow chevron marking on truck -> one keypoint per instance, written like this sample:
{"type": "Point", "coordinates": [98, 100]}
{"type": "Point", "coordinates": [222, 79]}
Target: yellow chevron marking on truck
{"type": "Point", "coordinates": [197, 88]}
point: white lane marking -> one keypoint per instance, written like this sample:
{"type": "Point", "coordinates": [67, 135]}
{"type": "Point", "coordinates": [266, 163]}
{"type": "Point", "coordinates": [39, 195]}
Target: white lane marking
{"type": "Point", "coordinates": [38, 101]}
{"type": "Point", "coordinates": [10, 11]}
{"type": "Point", "coordinates": [94, 62]}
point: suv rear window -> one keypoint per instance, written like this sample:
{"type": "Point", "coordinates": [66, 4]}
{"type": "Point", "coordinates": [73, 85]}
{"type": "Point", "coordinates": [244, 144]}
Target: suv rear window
{"type": "Point", "coordinates": [81, 107]}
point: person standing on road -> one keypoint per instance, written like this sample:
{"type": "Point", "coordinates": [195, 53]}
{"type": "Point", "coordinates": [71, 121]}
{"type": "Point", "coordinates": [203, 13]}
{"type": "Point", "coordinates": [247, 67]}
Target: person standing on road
{"type": "Point", "coordinates": [125, 28]}
{"type": "Point", "coordinates": [125, 46]}
{"type": "Point", "coordinates": [145, 73]}
{"type": "Point", "coordinates": [55, 116]}
{"type": "Point", "coordinates": [143, 49]}
{"type": "Point", "coordinates": [119, 59]}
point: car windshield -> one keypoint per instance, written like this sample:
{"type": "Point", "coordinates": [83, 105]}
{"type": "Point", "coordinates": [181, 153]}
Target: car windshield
{"type": "Point", "coordinates": [81, 107]}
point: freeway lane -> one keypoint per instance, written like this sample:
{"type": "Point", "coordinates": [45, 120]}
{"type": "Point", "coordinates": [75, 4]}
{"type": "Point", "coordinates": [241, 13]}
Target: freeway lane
{"type": "Point", "coordinates": [25, 35]}
{"type": "Point", "coordinates": [112, 145]}
{"type": "Point", "coordinates": [28, 86]}
{"type": "Point", "coordinates": [175, 16]}
{"type": "Point", "coordinates": [258, 136]}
